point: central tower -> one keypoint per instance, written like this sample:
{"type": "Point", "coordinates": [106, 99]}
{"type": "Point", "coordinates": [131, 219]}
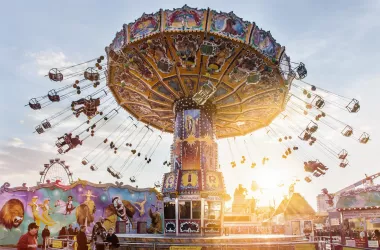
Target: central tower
{"type": "Point", "coordinates": [199, 74]}
{"type": "Point", "coordinates": [194, 189]}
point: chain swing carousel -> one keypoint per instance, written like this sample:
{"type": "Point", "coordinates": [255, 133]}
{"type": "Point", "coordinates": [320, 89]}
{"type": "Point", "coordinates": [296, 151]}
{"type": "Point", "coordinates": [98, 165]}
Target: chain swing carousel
{"type": "Point", "coordinates": [201, 75]}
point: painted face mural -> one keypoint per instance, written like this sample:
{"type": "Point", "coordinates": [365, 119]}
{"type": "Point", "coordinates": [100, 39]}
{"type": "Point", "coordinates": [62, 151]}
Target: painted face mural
{"type": "Point", "coordinates": [81, 203]}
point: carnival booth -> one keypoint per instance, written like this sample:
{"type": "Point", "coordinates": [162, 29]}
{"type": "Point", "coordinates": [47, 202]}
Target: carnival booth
{"type": "Point", "coordinates": [360, 213]}
{"type": "Point", "coordinates": [295, 214]}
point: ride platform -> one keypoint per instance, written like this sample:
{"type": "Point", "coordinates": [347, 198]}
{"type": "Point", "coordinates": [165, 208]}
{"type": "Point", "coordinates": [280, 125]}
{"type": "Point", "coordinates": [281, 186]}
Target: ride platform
{"type": "Point", "coordinates": [236, 241]}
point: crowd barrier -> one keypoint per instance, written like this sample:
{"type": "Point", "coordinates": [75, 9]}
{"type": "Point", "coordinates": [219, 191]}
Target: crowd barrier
{"type": "Point", "coordinates": [68, 244]}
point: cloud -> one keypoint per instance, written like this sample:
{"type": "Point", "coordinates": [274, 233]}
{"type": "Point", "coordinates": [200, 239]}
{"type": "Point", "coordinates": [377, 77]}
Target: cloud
{"type": "Point", "coordinates": [22, 121]}
{"type": "Point", "coordinates": [45, 60]}
{"type": "Point", "coordinates": [42, 61]}
{"type": "Point", "coordinates": [16, 142]}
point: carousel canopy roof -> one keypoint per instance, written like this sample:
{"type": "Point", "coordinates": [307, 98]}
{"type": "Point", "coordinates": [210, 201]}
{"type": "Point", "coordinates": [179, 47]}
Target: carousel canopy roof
{"type": "Point", "coordinates": [171, 54]}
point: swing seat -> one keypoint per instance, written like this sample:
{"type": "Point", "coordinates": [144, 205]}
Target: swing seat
{"type": "Point", "coordinates": [320, 103]}
{"type": "Point", "coordinates": [317, 174]}
{"type": "Point", "coordinates": [132, 179]}
{"type": "Point", "coordinates": [39, 129]}
{"type": "Point", "coordinates": [53, 96]}
{"type": "Point", "coordinates": [91, 74]}
{"type": "Point", "coordinates": [308, 179]}
{"type": "Point", "coordinates": [364, 138]}
{"type": "Point", "coordinates": [353, 106]}
{"type": "Point", "coordinates": [207, 90]}
{"type": "Point", "coordinates": [46, 124]}
{"type": "Point", "coordinates": [34, 104]}
{"type": "Point", "coordinates": [305, 136]}
{"type": "Point", "coordinates": [347, 131]}
{"type": "Point", "coordinates": [343, 154]}
{"type": "Point", "coordinates": [342, 165]}
{"type": "Point", "coordinates": [118, 175]}
{"type": "Point", "coordinates": [55, 75]}
{"type": "Point", "coordinates": [301, 71]}
{"type": "Point", "coordinates": [312, 127]}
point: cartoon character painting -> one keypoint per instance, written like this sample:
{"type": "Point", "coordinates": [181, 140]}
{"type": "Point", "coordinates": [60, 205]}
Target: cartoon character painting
{"type": "Point", "coordinates": [69, 205]}
{"type": "Point", "coordinates": [35, 212]}
{"type": "Point", "coordinates": [140, 206]}
{"type": "Point", "coordinates": [85, 211]}
{"type": "Point", "coordinates": [45, 206]}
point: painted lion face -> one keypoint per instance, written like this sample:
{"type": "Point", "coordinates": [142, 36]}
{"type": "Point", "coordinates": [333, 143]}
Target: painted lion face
{"type": "Point", "coordinates": [17, 220]}
{"type": "Point", "coordinates": [12, 213]}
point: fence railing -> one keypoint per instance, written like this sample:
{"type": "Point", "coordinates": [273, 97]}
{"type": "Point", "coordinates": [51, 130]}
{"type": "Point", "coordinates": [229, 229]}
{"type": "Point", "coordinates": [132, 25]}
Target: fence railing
{"type": "Point", "coordinates": [68, 244]}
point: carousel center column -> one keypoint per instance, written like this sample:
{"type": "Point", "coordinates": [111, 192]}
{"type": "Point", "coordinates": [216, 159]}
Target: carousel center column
{"type": "Point", "coordinates": [194, 182]}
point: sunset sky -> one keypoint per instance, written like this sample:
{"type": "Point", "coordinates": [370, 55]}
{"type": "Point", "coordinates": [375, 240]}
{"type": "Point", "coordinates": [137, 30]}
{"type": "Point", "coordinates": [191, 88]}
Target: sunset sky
{"type": "Point", "coordinates": [337, 41]}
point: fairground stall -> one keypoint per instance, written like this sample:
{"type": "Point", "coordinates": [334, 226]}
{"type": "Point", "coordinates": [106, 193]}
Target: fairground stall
{"type": "Point", "coordinates": [59, 204]}
{"type": "Point", "coordinates": [295, 214]}
{"type": "Point", "coordinates": [360, 213]}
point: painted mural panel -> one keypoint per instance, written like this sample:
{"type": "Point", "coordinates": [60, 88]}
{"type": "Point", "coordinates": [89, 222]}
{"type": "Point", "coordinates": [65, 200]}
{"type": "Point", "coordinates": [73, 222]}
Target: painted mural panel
{"type": "Point", "coordinates": [214, 181]}
{"type": "Point", "coordinates": [81, 203]}
{"type": "Point", "coordinates": [191, 126]}
{"type": "Point", "coordinates": [190, 181]}
{"type": "Point", "coordinates": [119, 41]}
{"type": "Point", "coordinates": [228, 24]}
{"type": "Point", "coordinates": [207, 155]}
{"type": "Point", "coordinates": [170, 183]}
{"type": "Point", "coordinates": [184, 19]}
{"type": "Point", "coordinates": [144, 26]}
{"type": "Point", "coordinates": [191, 143]}
{"type": "Point", "coordinates": [360, 198]}
{"type": "Point", "coordinates": [191, 155]}
{"type": "Point", "coordinates": [264, 41]}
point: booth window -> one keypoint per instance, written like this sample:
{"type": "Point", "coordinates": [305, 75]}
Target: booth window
{"type": "Point", "coordinates": [190, 210]}
{"type": "Point", "coordinates": [212, 210]}
{"type": "Point", "coordinates": [196, 209]}
{"type": "Point", "coordinates": [169, 210]}
{"type": "Point", "coordinates": [185, 209]}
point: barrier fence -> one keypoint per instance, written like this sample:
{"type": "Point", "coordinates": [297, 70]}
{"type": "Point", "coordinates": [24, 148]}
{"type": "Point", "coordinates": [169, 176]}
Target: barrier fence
{"type": "Point", "coordinates": [70, 244]}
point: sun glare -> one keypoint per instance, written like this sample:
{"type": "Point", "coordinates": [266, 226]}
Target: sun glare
{"type": "Point", "coordinates": [268, 178]}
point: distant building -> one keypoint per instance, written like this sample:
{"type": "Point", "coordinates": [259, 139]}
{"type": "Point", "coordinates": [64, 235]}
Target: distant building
{"type": "Point", "coordinates": [322, 206]}
{"type": "Point", "coordinates": [240, 204]}
{"type": "Point", "coordinates": [245, 217]}
{"type": "Point", "coordinates": [296, 214]}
